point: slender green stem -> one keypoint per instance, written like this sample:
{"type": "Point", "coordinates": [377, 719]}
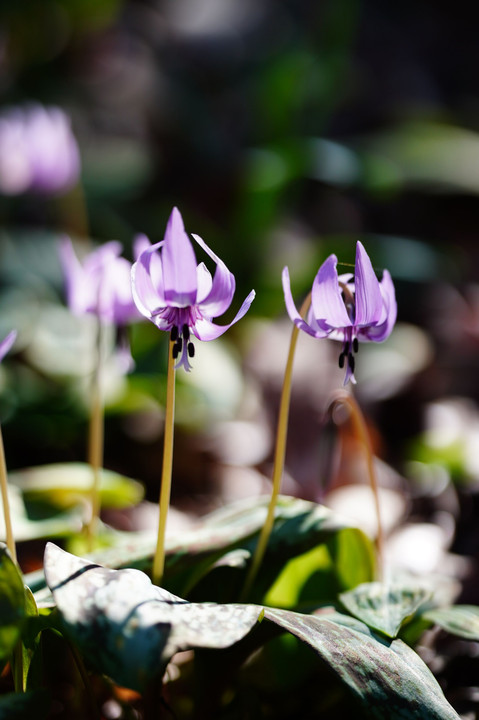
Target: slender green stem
{"type": "Point", "coordinates": [341, 397]}
{"type": "Point", "coordinates": [159, 557]}
{"type": "Point", "coordinates": [6, 504]}
{"type": "Point", "coordinates": [17, 658]}
{"type": "Point", "coordinates": [280, 452]}
{"type": "Point", "coordinates": [96, 438]}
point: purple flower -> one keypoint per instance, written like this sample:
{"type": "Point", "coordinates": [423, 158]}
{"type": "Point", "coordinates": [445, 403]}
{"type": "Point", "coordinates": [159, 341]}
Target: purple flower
{"type": "Point", "coordinates": [38, 152]}
{"type": "Point", "coordinates": [99, 285]}
{"type": "Point", "coordinates": [178, 295]}
{"type": "Point", "coordinates": [7, 343]}
{"type": "Point", "coordinates": [349, 308]}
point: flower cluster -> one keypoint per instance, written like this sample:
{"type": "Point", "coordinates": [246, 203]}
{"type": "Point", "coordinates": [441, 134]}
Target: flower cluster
{"type": "Point", "coordinates": [348, 308]}
{"type": "Point", "coordinates": [181, 297]}
{"type": "Point", "coordinates": [38, 152]}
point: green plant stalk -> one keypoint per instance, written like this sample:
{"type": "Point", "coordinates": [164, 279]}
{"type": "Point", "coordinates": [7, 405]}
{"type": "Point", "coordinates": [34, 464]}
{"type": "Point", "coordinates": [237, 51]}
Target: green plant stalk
{"type": "Point", "coordinates": [17, 656]}
{"type": "Point", "coordinates": [165, 491]}
{"type": "Point", "coordinates": [6, 503]}
{"type": "Point", "coordinates": [341, 397]}
{"type": "Point", "coordinates": [96, 439]}
{"type": "Point", "coordinates": [279, 455]}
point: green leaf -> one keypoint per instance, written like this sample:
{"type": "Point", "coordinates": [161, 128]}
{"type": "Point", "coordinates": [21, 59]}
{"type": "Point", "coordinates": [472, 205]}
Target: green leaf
{"type": "Point", "coordinates": [54, 524]}
{"type": "Point", "coordinates": [12, 603]}
{"type": "Point", "coordinates": [461, 620]}
{"type": "Point", "coordinates": [65, 485]}
{"type": "Point", "coordinates": [300, 526]}
{"type": "Point", "coordinates": [388, 678]}
{"type": "Point", "coordinates": [382, 606]}
{"type": "Point", "coordinates": [127, 627]}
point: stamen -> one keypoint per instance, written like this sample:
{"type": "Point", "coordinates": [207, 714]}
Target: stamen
{"type": "Point", "coordinates": [191, 350]}
{"type": "Point", "coordinates": [346, 348]}
{"type": "Point", "coordinates": [355, 345]}
{"type": "Point", "coordinates": [174, 333]}
{"type": "Point", "coordinates": [177, 347]}
{"type": "Point", "coordinates": [351, 362]}
{"type": "Point", "coordinates": [341, 360]}
{"type": "Point", "coordinates": [186, 332]}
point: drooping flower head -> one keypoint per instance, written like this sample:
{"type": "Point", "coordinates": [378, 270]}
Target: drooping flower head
{"type": "Point", "coordinates": [178, 295]}
{"type": "Point", "coordinates": [38, 151]}
{"type": "Point", "coordinates": [348, 308]}
{"type": "Point", "coordinates": [7, 343]}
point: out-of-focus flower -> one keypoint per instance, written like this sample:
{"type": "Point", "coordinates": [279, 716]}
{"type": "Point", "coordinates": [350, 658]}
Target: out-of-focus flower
{"type": "Point", "coordinates": [347, 308]}
{"type": "Point", "coordinates": [7, 343]}
{"type": "Point", "coordinates": [38, 151]}
{"type": "Point", "coordinates": [178, 295]}
{"type": "Point", "coordinates": [99, 285]}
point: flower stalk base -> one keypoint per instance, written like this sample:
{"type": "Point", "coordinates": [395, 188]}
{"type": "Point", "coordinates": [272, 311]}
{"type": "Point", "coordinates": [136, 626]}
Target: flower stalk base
{"type": "Point", "coordinates": [280, 452]}
{"type": "Point", "coordinates": [96, 440]}
{"type": "Point", "coordinates": [6, 504]}
{"type": "Point", "coordinates": [341, 397]}
{"type": "Point", "coordinates": [165, 491]}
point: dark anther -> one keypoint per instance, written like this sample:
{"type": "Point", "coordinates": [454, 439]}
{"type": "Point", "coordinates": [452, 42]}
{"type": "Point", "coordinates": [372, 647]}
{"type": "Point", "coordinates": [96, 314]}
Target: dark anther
{"type": "Point", "coordinates": [341, 360]}
{"type": "Point", "coordinates": [177, 347]}
{"type": "Point", "coordinates": [355, 345]}
{"type": "Point", "coordinates": [174, 333]}
{"type": "Point", "coordinates": [346, 348]}
{"type": "Point", "coordinates": [186, 332]}
{"type": "Point", "coordinates": [351, 362]}
{"type": "Point", "coordinates": [191, 350]}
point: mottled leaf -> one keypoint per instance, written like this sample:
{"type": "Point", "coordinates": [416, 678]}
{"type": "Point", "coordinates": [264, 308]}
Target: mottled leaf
{"type": "Point", "coordinates": [129, 628]}
{"type": "Point", "coordinates": [387, 677]}
{"type": "Point", "coordinates": [12, 603]}
{"type": "Point", "coordinates": [461, 620]}
{"type": "Point", "coordinates": [382, 606]}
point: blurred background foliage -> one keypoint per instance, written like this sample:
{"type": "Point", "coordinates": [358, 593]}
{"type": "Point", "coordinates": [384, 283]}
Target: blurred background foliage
{"type": "Point", "coordinates": [283, 131]}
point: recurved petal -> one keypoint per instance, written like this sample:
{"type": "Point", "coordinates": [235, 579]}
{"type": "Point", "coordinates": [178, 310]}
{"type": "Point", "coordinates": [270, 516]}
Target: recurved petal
{"type": "Point", "coordinates": [292, 310]}
{"type": "Point", "coordinates": [147, 281]}
{"type": "Point", "coordinates": [382, 331]}
{"type": "Point", "coordinates": [370, 308]}
{"type": "Point", "coordinates": [222, 290]}
{"type": "Point", "coordinates": [179, 264]}
{"type": "Point", "coordinates": [204, 281]}
{"type": "Point", "coordinates": [326, 297]}
{"type": "Point", "coordinates": [206, 330]}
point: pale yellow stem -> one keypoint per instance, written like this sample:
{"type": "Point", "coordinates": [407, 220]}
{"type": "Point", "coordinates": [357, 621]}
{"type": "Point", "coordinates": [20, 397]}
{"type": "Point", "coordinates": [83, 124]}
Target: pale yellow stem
{"type": "Point", "coordinates": [165, 491]}
{"type": "Point", "coordinates": [96, 439]}
{"type": "Point", "coordinates": [342, 397]}
{"type": "Point", "coordinates": [6, 504]}
{"type": "Point", "coordinates": [280, 452]}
